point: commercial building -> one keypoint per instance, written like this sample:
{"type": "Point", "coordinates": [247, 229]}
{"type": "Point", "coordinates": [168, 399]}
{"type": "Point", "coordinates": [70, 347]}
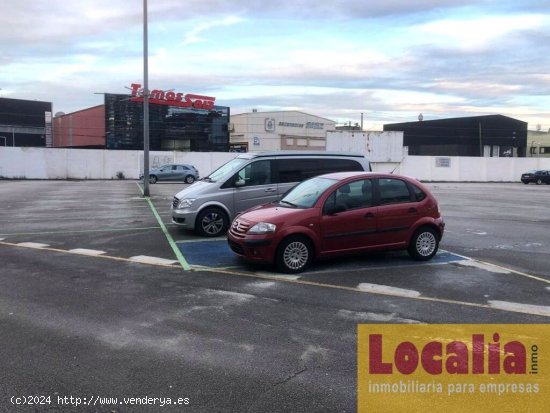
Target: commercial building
{"type": "Point", "coordinates": [190, 123]}
{"type": "Point", "coordinates": [261, 131]}
{"type": "Point", "coordinates": [25, 123]}
{"type": "Point", "coordinates": [490, 136]}
{"type": "Point", "coordinates": [538, 144]}
{"type": "Point", "coordinates": [81, 129]}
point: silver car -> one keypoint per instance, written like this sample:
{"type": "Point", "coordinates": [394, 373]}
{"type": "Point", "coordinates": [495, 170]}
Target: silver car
{"type": "Point", "coordinates": [173, 172]}
{"type": "Point", "coordinates": [250, 179]}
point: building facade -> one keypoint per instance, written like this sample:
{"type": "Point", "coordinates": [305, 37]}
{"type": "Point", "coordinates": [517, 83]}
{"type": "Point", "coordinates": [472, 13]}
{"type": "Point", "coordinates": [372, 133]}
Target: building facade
{"type": "Point", "coordinates": [118, 124]}
{"type": "Point", "coordinates": [490, 136]}
{"type": "Point", "coordinates": [284, 130]}
{"type": "Point", "coordinates": [538, 144]}
{"type": "Point", "coordinates": [25, 123]}
{"type": "Point", "coordinates": [82, 129]}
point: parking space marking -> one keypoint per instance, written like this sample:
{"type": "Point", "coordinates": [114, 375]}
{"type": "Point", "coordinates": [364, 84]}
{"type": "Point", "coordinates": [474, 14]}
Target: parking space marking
{"type": "Point", "coordinates": [145, 259]}
{"type": "Point", "coordinates": [86, 251]}
{"type": "Point", "coordinates": [496, 305]}
{"type": "Point", "coordinates": [215, 253]}
{"type": "Point", "coordinates": [532, 310]}
{"type": "Point", "coordinates": [78, 231]}
{"type": "Point", "coordinates": [518, 307]}
{"type": "Point", "coordinates": [483, 266]}
{"type": "Point", "coordinates": [181, 259]}
{"type": "Point", "coordinates": [377, 288]}
{"type": "Point", "coordinates": [33, 245]}
{"type": "Point", "coordinates": [509, 270]}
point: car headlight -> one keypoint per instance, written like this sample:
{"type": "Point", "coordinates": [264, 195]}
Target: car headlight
{"type": "Point", "coordinates": [186, 203]}
{"type": "Point", "coordinates": [262, 228]}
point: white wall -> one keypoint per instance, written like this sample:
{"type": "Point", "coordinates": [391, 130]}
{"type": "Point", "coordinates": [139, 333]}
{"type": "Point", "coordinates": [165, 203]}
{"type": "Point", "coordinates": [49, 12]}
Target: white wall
{"type": "Point", "coordinates": [469, 169]}
{"type": "Point", "coordinates": [60, 163]}
{"type": "Point", "coordinates": [377, 146]}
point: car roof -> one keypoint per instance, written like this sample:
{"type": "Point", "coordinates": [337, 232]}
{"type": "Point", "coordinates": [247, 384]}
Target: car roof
{"type": "Point", "coordinates": [348, 175]}
{"type": "Point", "coordinates": [306, 153]}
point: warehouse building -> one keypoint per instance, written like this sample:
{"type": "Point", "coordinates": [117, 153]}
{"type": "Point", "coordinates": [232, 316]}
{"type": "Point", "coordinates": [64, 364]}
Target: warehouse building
{"type": "Point", "coordinates": [490, 136]}
{"type": "Point", "coordinates": [25, 123]}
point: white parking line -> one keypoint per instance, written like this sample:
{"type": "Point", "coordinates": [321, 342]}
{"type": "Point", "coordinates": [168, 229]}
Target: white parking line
{"type": "Point", "coordinates": [145, 259]}
{"type": "Point", "coordinates": [33, 245]}
{"type": "Point", "coordinates": [483, 266]}
{"type": "Point", "coordinates": [386, 289]}
{"type": "Point", "coordinates": [521, 308]}
{"type": "Point", "coordinates": [85, 251]}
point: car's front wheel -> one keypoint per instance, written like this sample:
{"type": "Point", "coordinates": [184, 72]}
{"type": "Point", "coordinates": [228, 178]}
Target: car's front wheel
{"type": "Point", "coordinates": [211, 222]}
{"type": "Point", "coordinates": [424, 244]}
{"type": "Point", "coordinates": [539, 181]}
{"type": "Point", "coordinates": [294, 254]}
{"type": "Point", "coordinates": [189, 179]}
{"type": "Point", "coordinates": [153, 179]}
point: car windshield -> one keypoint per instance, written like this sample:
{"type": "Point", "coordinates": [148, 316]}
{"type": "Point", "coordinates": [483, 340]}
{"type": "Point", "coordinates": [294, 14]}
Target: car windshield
{"type": "Point", "coordinates": [306, 194]}
{"type": "Point", "coordinates": [226, 169]}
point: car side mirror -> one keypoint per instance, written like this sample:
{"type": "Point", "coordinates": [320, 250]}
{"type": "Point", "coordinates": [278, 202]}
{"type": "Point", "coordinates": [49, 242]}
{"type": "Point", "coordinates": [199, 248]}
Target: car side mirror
{"type": "Point", "coordinates": [240, 182]}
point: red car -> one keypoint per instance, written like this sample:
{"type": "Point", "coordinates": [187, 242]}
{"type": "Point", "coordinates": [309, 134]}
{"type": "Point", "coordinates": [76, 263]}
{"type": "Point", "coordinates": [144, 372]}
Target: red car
{"type": "Point", "coordinates": [336, 214]}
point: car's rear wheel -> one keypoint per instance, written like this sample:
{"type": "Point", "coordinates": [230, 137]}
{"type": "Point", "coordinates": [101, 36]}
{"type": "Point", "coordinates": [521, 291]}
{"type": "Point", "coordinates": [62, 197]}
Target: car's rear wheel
{"type": "Point", "coordinates": [539, 181]}
{"type": "Point", "coordinates": [294, 254]}
{"type": "Point", "coordinates": [153, 179]}
{"type": "Point", "coordinates": [189, 179]}
{"type": "Point", "coordinates": [424, 244]}
{"type": "Point", "coordinates": [211, 222]}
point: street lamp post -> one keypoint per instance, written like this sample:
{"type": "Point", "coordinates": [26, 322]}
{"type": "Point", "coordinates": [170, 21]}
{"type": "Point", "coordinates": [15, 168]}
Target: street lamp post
{"type": "Point", "coordinates": [145, 104]}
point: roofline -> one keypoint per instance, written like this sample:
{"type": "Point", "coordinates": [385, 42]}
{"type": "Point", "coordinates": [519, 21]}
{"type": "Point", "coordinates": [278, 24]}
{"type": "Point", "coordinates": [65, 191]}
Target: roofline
{"type": "Point", "coordinates": [457, 118]}
{"type": "Point", "coordinates": [284, 111]}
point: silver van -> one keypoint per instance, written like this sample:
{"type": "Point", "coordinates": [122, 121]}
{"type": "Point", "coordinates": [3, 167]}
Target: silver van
{"type": "Point", "coordinates": [208, 206]}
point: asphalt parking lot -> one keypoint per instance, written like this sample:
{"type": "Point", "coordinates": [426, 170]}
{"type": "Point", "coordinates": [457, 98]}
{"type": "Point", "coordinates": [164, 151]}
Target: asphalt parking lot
{"type": "Point", "coordinates": [102, 295]}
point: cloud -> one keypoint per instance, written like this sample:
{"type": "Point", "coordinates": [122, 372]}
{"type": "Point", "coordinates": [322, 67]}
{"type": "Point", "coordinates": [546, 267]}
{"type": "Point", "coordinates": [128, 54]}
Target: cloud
{"type": "Point", "coordinates": [194, 35]}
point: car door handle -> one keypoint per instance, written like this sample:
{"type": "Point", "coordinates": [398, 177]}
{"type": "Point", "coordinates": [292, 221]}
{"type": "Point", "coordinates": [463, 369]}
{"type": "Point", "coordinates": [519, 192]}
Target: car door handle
{"type": "Point", "coordinates": [271, 190]}
{"type": "Point", "coordinates": [413, 210]}
{"type": "Point", "coordinates": [369, 215]}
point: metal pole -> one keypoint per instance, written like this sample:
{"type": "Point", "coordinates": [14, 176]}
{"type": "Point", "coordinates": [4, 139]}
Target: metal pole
{"type": "Point", "coordinates": [145, 105]}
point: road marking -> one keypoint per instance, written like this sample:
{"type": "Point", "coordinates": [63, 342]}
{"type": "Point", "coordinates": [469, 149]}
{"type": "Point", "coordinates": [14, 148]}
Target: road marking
{"type": "Point", "coordinates": [79, 231]}
{"type": "Point", "coordinates": [145, 259]}
{"type": "Point", "coordinates": [518, 307]}
{"type": "Point", "coordinates": [514, 309]}
{"type": "Point", "coordinates": [187, 241]}
{"type": "Point", "coordinates": [33, 245]}
{"type": "Point", "coordinates": [85, 251]}
{"type": "Point", "coordinates": [181, 259]}
{"type": "Point", "coordinates": [386, 289]}
{"type": "Point", "coordinates": [493, 305]}
{"type": "Point", "coordinates": [523, 274]}
{"type": "Point", "coordinates": [483, 266]}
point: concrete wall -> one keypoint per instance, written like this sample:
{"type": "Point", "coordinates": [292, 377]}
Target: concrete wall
{"type": "Point", "coordinates": [468, 169]}
{"type": "Point", "coordinates": [57, 163]}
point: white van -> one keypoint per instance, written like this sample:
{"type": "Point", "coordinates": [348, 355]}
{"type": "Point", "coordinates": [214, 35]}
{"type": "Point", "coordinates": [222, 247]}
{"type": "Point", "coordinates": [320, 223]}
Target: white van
{"type": "Point", "coordinates": [208, 206]}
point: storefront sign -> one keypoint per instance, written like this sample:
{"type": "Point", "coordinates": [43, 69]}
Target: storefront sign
{"type": "Point", "coordinates": [170, 98]}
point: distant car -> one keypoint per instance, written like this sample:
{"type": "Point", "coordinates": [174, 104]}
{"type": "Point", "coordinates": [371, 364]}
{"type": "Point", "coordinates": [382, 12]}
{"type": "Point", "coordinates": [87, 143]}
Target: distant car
{"type": "Point", "coordinates": [538, 176]}
{"type": "Point", "coordinates": [173, 172]}
{"type": "Point", "coordinates": [336, 214]}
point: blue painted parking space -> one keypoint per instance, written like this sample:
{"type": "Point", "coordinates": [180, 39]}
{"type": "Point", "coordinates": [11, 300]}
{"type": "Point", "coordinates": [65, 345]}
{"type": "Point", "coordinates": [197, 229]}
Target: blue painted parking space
{"type": "Point", "coordinates": [217, 254]}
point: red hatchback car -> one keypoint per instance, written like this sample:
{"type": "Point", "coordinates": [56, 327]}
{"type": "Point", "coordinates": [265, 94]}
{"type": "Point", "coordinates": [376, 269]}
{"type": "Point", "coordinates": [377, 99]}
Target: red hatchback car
{"type": "Point", "coordinates": [340, 213]}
